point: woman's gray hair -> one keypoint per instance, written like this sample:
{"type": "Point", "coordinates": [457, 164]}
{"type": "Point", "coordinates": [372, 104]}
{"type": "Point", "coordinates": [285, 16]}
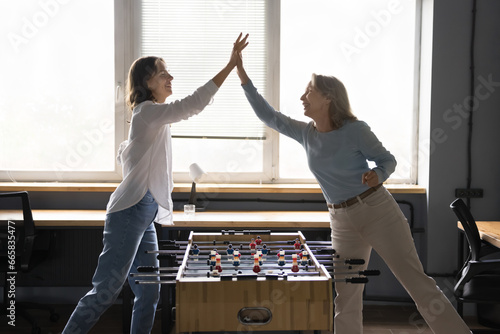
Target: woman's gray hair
{"type": "Point", "coordinates": [334, 90]}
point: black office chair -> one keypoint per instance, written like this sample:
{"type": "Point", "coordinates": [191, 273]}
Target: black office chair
{"type": "Point", "coordinates": [19, 254]}
{"type": "Point", "coordinates": [479, 278]}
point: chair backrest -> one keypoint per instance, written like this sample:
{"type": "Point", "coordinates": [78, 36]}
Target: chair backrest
{"type": "Point", "coordinates": [470, 228]}
{"type": "Point", "coordinates": [26, 231]}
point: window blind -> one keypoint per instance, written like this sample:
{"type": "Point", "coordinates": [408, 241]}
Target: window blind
{"type": "Point", "coordinates": [195, 38]}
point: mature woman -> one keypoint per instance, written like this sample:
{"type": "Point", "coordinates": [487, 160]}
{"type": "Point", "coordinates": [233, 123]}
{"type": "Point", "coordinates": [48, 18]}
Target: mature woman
{"type": "Point", "coordinates": [363, 214]}
{"type": "Point", "coordinates": [144, 193]}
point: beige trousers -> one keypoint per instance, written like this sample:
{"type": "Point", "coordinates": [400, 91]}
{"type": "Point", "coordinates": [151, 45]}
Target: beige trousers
{"type": "Point", "coordinates": [377, 222]}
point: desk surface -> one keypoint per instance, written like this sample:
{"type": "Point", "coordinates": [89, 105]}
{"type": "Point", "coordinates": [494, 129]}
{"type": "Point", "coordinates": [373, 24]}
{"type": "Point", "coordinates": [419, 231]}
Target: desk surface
{"type": "Point", "coordinates": [216, 219]}
{"type": "Point", "coordinates": [489, 231]}
{"type": "Point", "coordinates": [274, 188]}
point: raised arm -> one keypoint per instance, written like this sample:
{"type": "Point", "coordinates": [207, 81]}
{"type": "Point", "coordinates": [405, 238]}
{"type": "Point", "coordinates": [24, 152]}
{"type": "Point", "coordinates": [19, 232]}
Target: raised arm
{"type": "Point", "coordinates": [241, 70]}
{"type": "Point", "coordinates": [264, 111]}
{"type": "Point", "coordinates": [165, 113]}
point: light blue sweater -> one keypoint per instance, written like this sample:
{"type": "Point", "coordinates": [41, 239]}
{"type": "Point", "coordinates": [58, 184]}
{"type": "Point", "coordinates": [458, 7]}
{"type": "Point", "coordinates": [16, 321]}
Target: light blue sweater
{"type": "Point", "coordinates": [337, 158]}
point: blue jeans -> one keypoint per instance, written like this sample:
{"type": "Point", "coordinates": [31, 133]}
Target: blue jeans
{"type": "Point", "coordinates": [128, 234]}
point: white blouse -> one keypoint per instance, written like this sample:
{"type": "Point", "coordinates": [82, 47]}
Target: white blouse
{"type": "Point", "coordinates": [146, 157]}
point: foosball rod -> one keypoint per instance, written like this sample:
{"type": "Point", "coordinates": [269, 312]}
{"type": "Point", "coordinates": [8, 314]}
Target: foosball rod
{"type": "Point", "coordinates": [227, 265]}
{"type": "Point", "coordinates": [317, 252]}
{"type": "Point", "coordinates": [204, 255]}
{"type": "Point", "coordinates": [150, 269]}
{"type": "Point", "coordinates": [288, 252]}
{"type": "Point", "coordinates": [352, 280]}
{"type": "Point", "coordinates": [229, 258]}
{"type": "Point", "coordinates": [183, 244]}
{"type": "Point", "coordinates": [288, 274]}
{"type": "Point", "coordinates": [342, 264]}
{"type": "Point", "coordinates": [152, 275]}
{"type": "Point", "coordinates": [239, 242]}
{"type": "Point", "coordinates": [203, 267]}
{"type": "Point", "coordinates": [321, 260]}
{"type": "Point", "coordinates": [210, 274]}
{"type": "Point", "coordinates": [263, 267]}
{"type": "Point", "coordinates": [225, 243]}
{"type": "Point", "coordinates": [326, 265]}
{"type": "Point", "coordinates": [244, 250]}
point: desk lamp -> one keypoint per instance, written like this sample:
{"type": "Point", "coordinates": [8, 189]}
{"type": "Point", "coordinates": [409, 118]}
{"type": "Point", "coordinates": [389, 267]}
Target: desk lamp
{"type": "Point", "coordinates": [196, 173]}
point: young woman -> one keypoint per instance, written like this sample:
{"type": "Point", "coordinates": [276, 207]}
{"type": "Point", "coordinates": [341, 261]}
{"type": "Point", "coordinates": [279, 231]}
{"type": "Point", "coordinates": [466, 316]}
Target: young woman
{"type": "Point", "coordinates": [363, 214]}
{"type": "Point", "coordinates": [145, 192]}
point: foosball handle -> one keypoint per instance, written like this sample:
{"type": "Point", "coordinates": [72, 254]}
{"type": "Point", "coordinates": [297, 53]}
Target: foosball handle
{"type": "Point", "coordinates": [370, 272]}
{"type": "Point", "coordinates": [170, 242]}
{"type": "Point", "coordinates": [147, 269]}
{"type": "Point", "coordinates": [355, 261]}
{"type": "Point", "coordinates": [325, 251]}
{"type": "Point", "coordinates": [357, 280]}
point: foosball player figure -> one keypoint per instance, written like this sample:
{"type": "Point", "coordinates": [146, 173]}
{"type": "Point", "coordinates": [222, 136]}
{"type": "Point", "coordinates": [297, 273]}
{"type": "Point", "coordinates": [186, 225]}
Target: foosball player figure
{"type": "Point", "coordinates": [258, 241]}
{"type": "Point", "coordinates": [236, 258]}
{"type": "Point", "coordinates": [252, 245]}
{"type": "Point", "coordinates": [297, 244]}
{"type": "Point", "coordinates": [256, 266]}
{"type": "Point", "coordinates": [195, 251]}
{"type": "Point", "coordinates": [265, 250]}
{"type": "Point", "coordinates": [218, 266]}
{"type": "Point", "coordinates": [230, 250]}
{"type": "Point", "coordinates": [281, 257]}
{"type": "Point", "coordinates": [213, 254]}
{"type": "Point", "coordinates": [295, 265]}
{"type": "Point", "coordinates": [259, 254]}
{"type": "Point", "coordinates": [304, 258]}
{"type": "Point", "coordinates": [215, 272]}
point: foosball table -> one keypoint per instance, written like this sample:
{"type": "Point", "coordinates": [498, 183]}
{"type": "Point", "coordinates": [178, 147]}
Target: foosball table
{"type": "Point", "coordinates": [245, 281]}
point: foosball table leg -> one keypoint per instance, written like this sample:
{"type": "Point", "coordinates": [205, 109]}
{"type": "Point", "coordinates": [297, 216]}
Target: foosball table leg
{"type": "Point", "coordinates": [127, 307]}
{"type": "Point", "coordinates": [167, 292]}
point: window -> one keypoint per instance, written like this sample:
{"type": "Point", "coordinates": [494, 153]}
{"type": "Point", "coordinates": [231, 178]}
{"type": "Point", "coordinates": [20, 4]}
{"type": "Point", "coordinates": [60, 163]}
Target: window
{"type": "Point", "coordinates": [371, 47]}
{"type": "Point", "coordinates": [57, 108]}
{"type": "Point", "coordinates": [195, 40]}
{"type": "Point", "coordinates": [62, 110]}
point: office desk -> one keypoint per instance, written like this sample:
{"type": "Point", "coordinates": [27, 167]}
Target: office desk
{"type": "Point", "coordinates": [294, 220]}
{"type": "Point", "coordinates": [489, 231]}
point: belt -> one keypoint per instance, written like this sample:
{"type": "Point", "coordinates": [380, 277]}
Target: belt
{"type": "Point", "coordinates": [354, 200]}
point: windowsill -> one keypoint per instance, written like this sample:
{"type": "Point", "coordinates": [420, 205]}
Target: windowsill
{"type": "Point", "coordinates": [295, 188]}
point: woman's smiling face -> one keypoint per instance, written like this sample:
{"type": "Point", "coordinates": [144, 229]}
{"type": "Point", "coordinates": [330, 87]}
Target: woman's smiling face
{"type": "Point", "coordinates": [314, 102]}
{"type": "Point", "coordinates": [160, 83]}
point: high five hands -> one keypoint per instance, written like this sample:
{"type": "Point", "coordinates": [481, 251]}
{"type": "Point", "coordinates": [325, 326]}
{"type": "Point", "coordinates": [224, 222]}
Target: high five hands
{"type": "Point", "coordinates": [239, 45]}
{"type": "Point", "coordinates": [235, 59]}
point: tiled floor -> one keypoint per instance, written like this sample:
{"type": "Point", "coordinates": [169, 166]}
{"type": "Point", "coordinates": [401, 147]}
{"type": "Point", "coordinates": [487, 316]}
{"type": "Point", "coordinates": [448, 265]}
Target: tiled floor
{"type": "Point", "coordinates": [378, 319]}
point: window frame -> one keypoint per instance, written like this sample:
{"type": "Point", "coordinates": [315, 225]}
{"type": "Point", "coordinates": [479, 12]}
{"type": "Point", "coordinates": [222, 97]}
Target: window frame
{"type": "Point", "coordinates": [270, 173]}
{"type": "Point", "coordinates": [121, 44]}
{"type": "Point", "coordinates": [415, 119]}
{"type": "Point", "coordinates": [270, 159]}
